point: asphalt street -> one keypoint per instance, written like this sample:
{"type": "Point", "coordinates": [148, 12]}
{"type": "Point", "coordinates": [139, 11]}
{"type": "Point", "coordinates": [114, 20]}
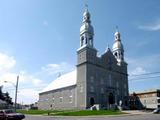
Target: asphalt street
{"type": "Point", "coordinates": [124, 117]}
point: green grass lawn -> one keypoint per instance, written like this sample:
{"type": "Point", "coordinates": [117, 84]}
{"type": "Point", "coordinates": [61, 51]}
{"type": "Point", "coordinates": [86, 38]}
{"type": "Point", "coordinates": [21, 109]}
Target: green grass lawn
{"type": "Point", "coordinates": [37, 112]}
{"type": "Point", "coordinates": [89, 112]}
{"type": "Point", "coordinates": [71, 113]}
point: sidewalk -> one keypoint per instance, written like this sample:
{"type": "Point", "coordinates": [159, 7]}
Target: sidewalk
{"type": "Point", "coordinates": [137, 112]}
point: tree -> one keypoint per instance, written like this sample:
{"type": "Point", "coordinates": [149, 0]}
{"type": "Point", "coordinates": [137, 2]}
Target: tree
{"type": "Point", "coordinates": [1, 93]}
{"type": "Point", "coordinates": [5, 97]}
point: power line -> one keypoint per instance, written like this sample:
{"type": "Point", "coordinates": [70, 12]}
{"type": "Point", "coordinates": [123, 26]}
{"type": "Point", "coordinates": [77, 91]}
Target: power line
{"type": "Point", "coordinates": [146, 74]}
{"type": "Point", "coordinates": [145, 78]}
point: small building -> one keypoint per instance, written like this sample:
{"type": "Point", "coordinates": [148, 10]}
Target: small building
{"type": "Point", "coordinates": [148, 99]}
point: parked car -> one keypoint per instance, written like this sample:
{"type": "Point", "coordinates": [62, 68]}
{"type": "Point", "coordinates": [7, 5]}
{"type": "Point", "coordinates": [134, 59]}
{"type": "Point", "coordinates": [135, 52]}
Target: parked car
{"type": "Point", "coordinates": [157, 110]}
{"type": "Point", "coordinates": [10, 115]}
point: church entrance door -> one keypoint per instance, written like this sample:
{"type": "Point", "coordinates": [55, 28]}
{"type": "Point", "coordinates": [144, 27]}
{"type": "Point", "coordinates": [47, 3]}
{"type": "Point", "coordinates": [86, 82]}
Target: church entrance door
{"type": "Point", "coordinates": [111, 98]}
{"type": "Point", "coordinates": [92, 101]}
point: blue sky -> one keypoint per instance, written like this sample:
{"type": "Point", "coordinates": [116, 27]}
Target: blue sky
{"type": "Point", "coordinates": [39, 39]}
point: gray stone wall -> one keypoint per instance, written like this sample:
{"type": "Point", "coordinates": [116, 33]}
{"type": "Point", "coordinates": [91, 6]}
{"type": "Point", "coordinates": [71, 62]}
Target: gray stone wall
{"type": "Point", "coordinates": [103, 78]}
{"type": "Point", "coordinates": [81, 87]}
{"type": "Point", "coordinates": [58, 99]}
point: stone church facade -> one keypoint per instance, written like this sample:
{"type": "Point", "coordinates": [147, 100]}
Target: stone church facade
{"type": "Point", "coordinates": [101, 80]}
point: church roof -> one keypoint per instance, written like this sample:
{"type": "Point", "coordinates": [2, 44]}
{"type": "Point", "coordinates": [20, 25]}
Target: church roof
{"type": "Point", "coordinates": [65, 80]}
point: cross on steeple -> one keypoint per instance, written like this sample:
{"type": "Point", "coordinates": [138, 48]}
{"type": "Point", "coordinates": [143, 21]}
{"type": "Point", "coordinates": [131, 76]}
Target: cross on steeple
{"type": "Point", "coordinates": [86, 6]}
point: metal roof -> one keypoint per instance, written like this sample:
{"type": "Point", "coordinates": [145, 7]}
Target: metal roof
{"type": "Point", "coordinates": [65, 80]}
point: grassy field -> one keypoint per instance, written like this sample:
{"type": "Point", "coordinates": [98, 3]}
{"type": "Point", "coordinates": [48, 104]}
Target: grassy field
{"type": "Point", "coordinates": [37, 112]}
{"type": "Point", "coordinates": [89, 112]}
{"type": "Point", "coordinates": [71, 113]}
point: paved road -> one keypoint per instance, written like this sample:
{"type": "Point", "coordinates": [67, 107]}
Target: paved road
{"type": "Point", "coordinates": [128, 117]}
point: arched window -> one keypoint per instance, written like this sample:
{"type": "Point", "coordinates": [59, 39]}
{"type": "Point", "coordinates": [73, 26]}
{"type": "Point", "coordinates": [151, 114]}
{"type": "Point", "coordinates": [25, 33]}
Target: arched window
{"type": "Point", "coordinates": [115, 54]}
{"type": "Point", "coordinates": [90, 40]}
{"type": "Point", "coordinates": [82, 40]}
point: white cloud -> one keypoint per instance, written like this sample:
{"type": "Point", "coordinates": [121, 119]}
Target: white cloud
{"type": "Point", "coordinates": [7, 65]}
{"type": "Point", "coordinates": [138, 71]}
{"type": "Point", "coordinates": [37, 82]}
{"type": "Point", "coordinates": [6, 62]}
{"type": "Point", "coordinates": [142, 65]}
{"type": "Point", "coordinates": [155, 26]}
{"type": "Point", "coordinates": [29, 84]}
{"type": "Point", "coordinates": [28, 96]}
{"type": "Point", "coordinates": [55, 69]}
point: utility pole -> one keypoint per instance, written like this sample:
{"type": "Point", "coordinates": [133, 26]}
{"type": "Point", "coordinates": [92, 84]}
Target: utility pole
{"type": "Point", "coordinates": [16, 94]}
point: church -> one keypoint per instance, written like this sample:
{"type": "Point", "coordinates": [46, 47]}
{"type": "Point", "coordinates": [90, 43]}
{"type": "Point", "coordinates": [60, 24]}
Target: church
{"type": "Point", "coordinates": [97, 80]}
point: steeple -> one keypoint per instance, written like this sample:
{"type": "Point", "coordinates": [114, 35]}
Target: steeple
{"type": "Point", "coordinates": [86, 30]}
{"type": "Point", "coordinates": [117, 47]}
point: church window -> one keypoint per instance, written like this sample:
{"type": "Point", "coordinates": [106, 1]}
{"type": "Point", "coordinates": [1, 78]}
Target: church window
{"type": "Point", "coordinates": [86, 40]}
{"type": "Point", "coordinates": [61, 99]}
{"type": "Point", "coordinates": [102, 81]}
{"type": "Point", "coordinates": [90, 40]}
{"type": "Point", "coordinates": [115, 54]}
{"type": "Point", "coordinates": [53, 99]}
{"type": "Point", "coordinates": [71, 92]}
{"type": "Point", "coordinates": [91, 89]}
{"type": "Point", "coordinates": [125, 86]}
{"type": "Point", "coordinates": [125, 93]}
{"type": "Point", "coordinates": [118, 92]}
{"type": "Point", "coordinates": [117, 84]}
{"type": "Point", "coordinates": [82, 41]}
{"type": "Point", "coordinates": [92, 79]}
{"type": "Point", "coordinates": [102, 90]}
{"type": "Point", "coordinates": [70, 98]}
{"type": "Point", "coordinates": [110, 80]}
{"type": "Point", "coordinates": [97, 75]}
{"type": "Point", "coordinates": [71, 95]}
{"type": "Point", "coordinates": [81, 88]}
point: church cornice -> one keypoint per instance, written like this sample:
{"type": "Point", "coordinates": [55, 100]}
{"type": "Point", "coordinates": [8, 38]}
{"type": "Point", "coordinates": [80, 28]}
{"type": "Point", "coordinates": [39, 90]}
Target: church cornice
{"type": "Point", "coordinates": [101, 66]}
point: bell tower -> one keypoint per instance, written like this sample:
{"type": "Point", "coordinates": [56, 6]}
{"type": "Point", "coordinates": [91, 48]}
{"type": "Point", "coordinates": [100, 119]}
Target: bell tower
{"type": "Point", "coordinates": [86, 57]}
{"type": "Point", "coordinates": [117, 47]}
{"type": "Point", "coordinates": [86, 30]}
{"type": "Point", "coordinates": [86, 48]}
